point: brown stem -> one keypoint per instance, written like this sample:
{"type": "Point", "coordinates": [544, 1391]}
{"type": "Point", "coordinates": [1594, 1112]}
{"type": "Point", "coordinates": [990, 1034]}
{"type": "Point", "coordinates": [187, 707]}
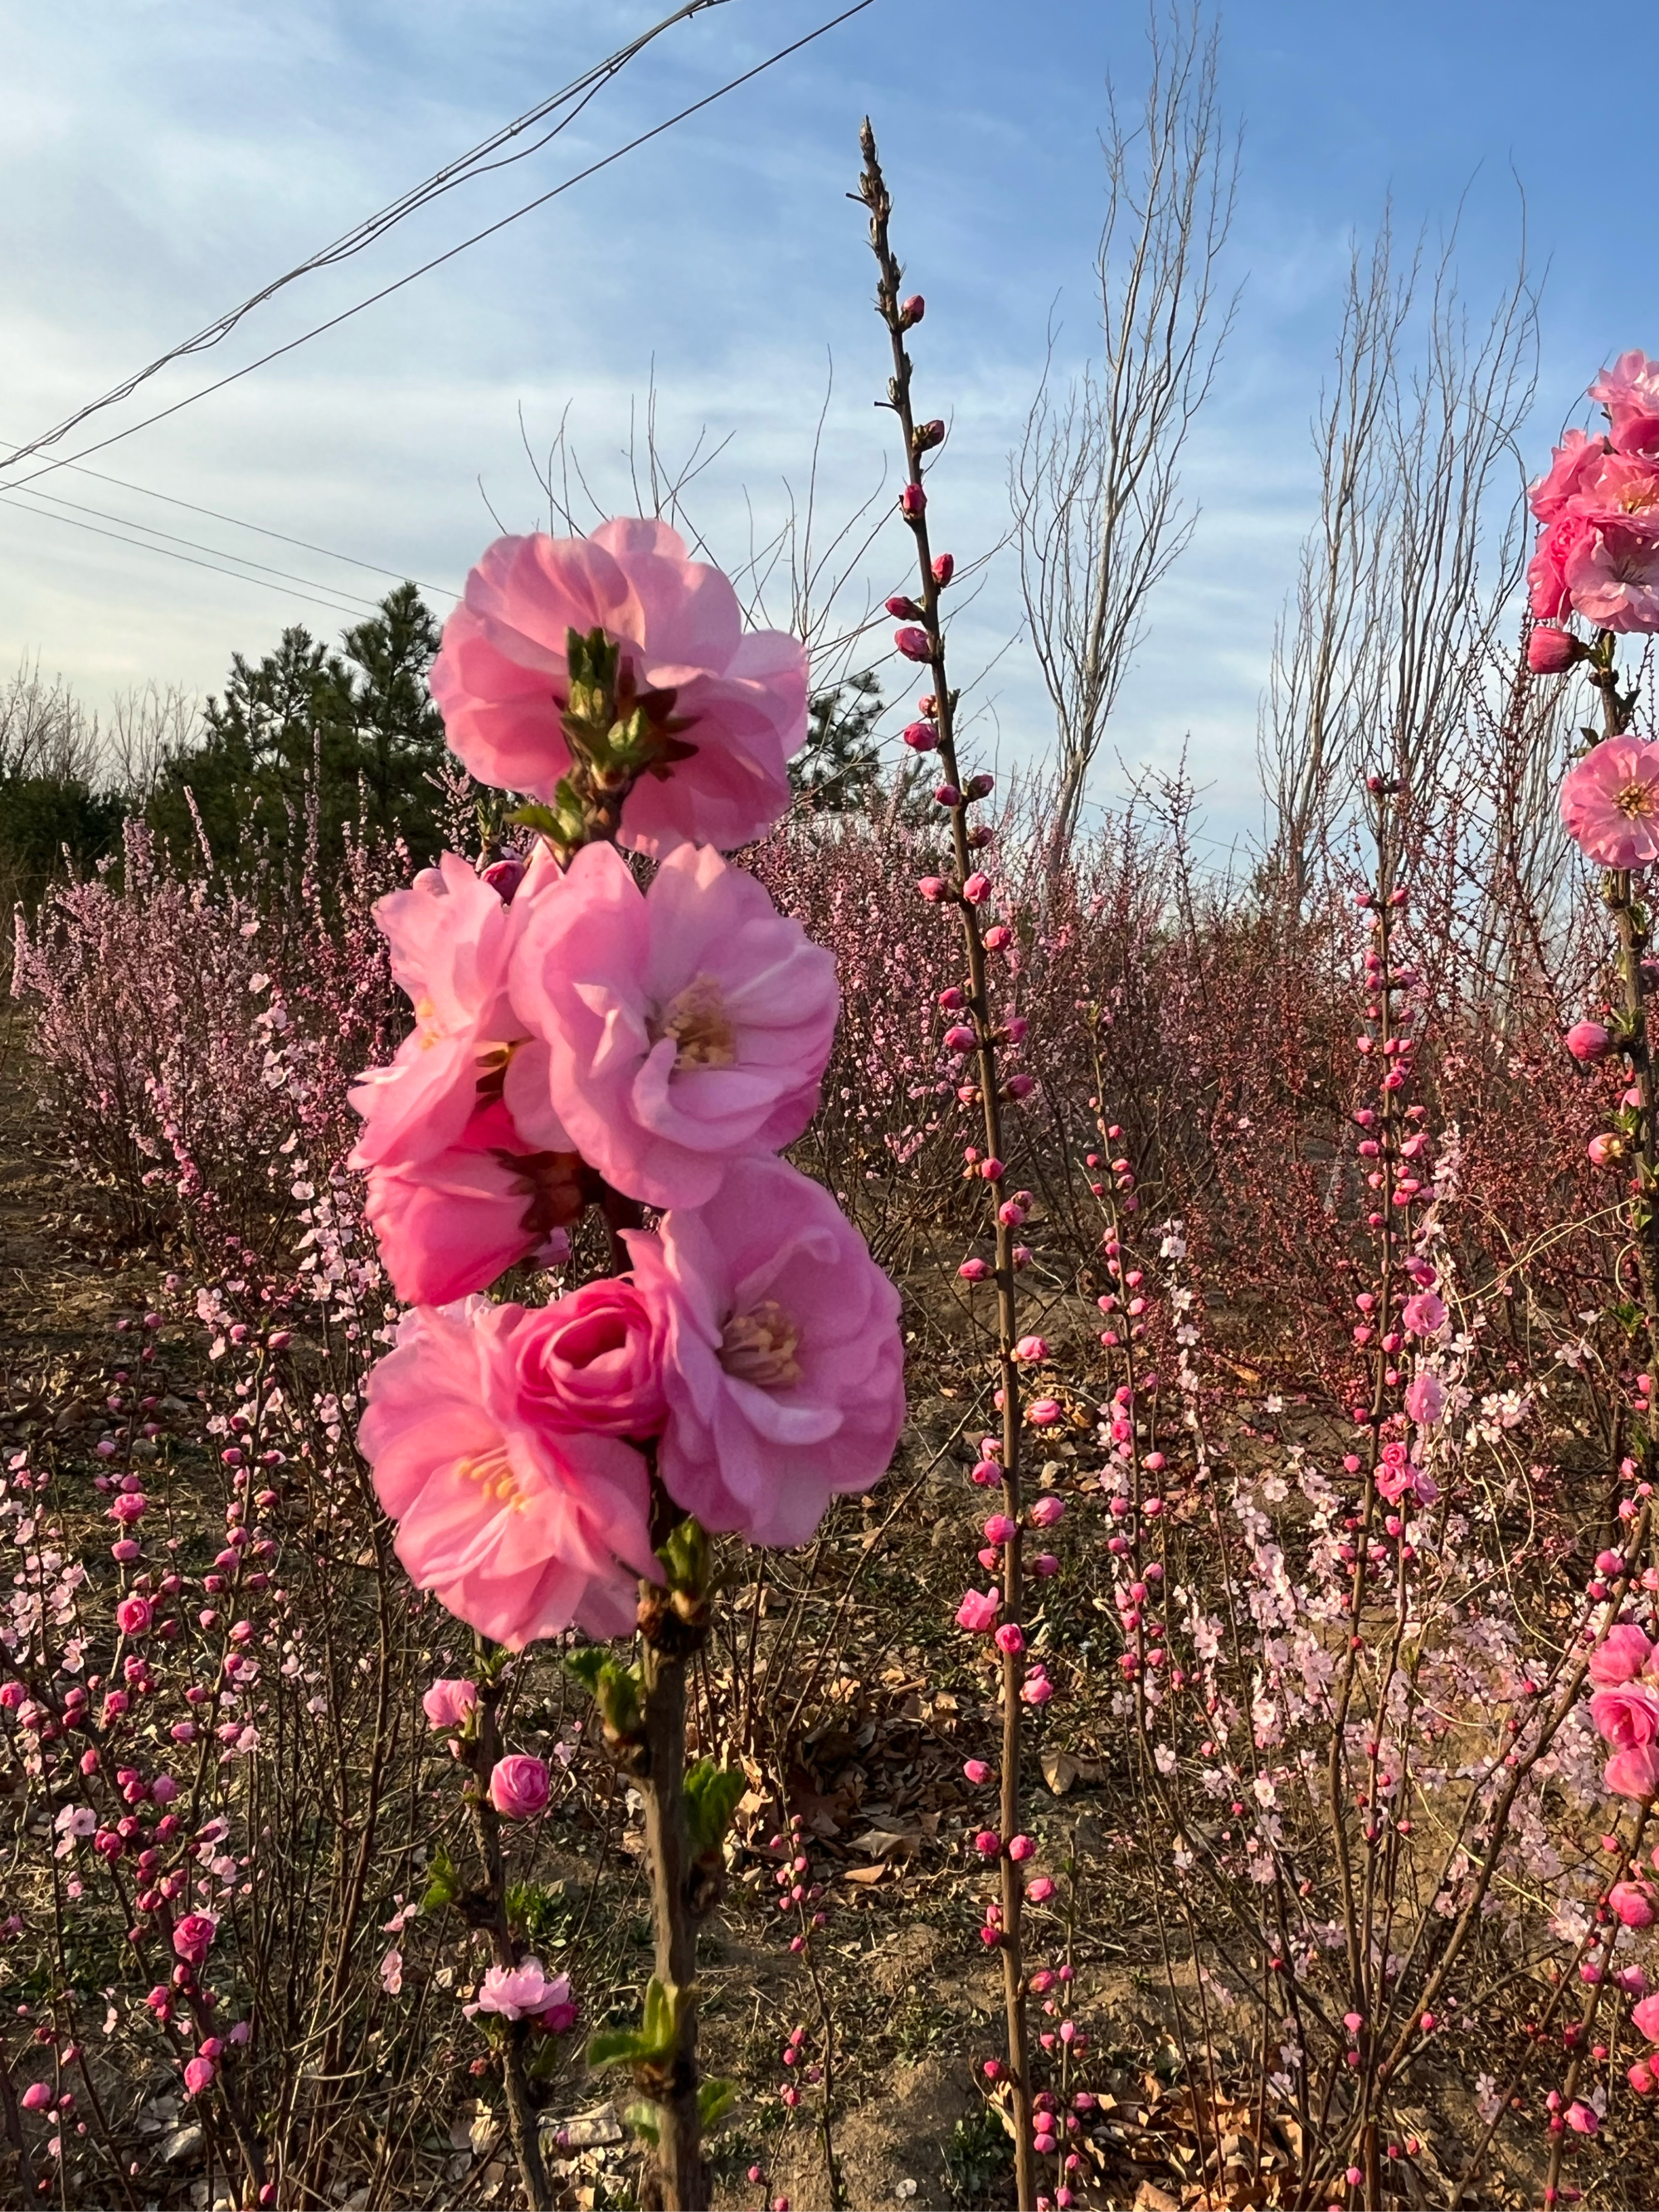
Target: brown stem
{"type": "Point", "coordinates": [873, 193]}
{"type": "Point", "coordinates": [682, 2175]}
{"type": "Point", "coordinates": [521, 2122]}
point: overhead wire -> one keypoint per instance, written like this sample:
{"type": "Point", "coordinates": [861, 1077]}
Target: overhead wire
{"type": "Point", "coordinates": [461, 170]}
{"type": "Point", "coordinates": [437, 261]}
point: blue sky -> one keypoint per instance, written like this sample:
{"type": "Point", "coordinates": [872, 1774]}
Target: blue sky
{"type": "Point", "coordinates": [160, 158]}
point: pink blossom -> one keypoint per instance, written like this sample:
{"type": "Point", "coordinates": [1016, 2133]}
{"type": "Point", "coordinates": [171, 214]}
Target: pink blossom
{"type": "Point", "coordinates": [1646, 2017]}
{"type": "Point", "coordinates": [1612, 572]}
{"type": "Point", "coordinates": [517, 1992]}
{"type": "Point", "coordinates": [1621, 1657]}
{"type": "Point", "coordinates": [133, 1616]}
{"type": "Point", "coordinates": [978, 1611]}
{"type": "Point", "coordinates": [1632, 1904]}
{"type": "Point", "coordinates": [1043, 1412]}
{"type": "Point", "coordinates": [1581, 2118]}
{"type": "Point", "coordinates": [1633, 1773]}
{"type": "Point", "coordinates": [1551, 651]}
{"type": "Point", "coordinates": [593, 1360]}
{"type": "Point", "coordinates": [676, 1028]}
{"type": "Point", "coordinates": [1047, 1512]}
{"type": "Point", "coordinates": [502, 679]}
{"type": "Point", "coordinates": [1010, 1639]}
{"type": "Point", "coordinates": [198, 2076]}
{"type": "Point", "coordinates": [1425, 1398]}
{"type": "Point", "coordinates": [1626, 1714]}
{"type": "Point", "coordinates": [1589, 1040]}
{"type": "Point", "coordinates": [1573, 463]}
{"type": "Point", "coordinates": [192, 1936]}
{"type": "Point", "coordinates": [1610, 803]}
{"type": "Point", "coordinates": [520, 1528]}
{"type": "Point", "coordinates": [450, 1223]}
{"type": "Point", "coordinates": [449, 1701]}
{"type": "Point", "coordinates": [451, 938]}
{"type": "Point", "coordinates": [785, 1366]}
{"type": "Point", "coordinates": [36, 2097]}
{"type": "Point", "coordinates": [1630, 392]}
{"type": "Point", "coordinates": [1032, 1348]}
{"type": "Point", "coordinates": [1424, 1314]}
{"type": "Point", "coordinates": [519, 1787]}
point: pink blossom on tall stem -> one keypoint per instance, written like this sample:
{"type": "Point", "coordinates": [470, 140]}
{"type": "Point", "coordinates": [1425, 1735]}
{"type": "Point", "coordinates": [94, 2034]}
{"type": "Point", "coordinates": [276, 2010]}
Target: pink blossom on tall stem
{"type": "Point", "coordinates": [785, 1370]}
{"type": "Point", "coordinates": [520, 1529]}
{"type": "Point", "coordinates": [1626, 1714]}
{"type": "Point", "coordinates": [1621, 1657]}
{"type": "Point", "coordinates": [519, 1787]}
{"type": "Point", "coordinates": [192, 1936]}
{"type": "Point", "coordinates": [676, 1028]}
{"type": "Point", "coordinates": [1610, 803]}
{"type": "Point", "coordinates": [502, 680]}
{"type": "Point", "coordinates": [449, 1701]}
{"type": "Point", "coordinates": [520, 1992]}
{"type": "Point", "coordinates": [593, 1360]}
{"type": "Point", "coordinates": [1630, 392]}
{"type": "Point", "coordinates": [451, 938]}
{"type": "Point", "coordinates": [1588, 1042]}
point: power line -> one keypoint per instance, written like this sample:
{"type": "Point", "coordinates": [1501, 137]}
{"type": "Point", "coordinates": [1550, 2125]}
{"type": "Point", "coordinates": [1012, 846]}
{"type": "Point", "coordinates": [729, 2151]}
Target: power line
{"type": "Point", "coordinates": [438, 260]}
{"type": "Point", "coordinates": [582, 90]}
{"type": "Point", "coordinates": [286, 575]}
{"type": "Point", "coordinates": [46, 515]}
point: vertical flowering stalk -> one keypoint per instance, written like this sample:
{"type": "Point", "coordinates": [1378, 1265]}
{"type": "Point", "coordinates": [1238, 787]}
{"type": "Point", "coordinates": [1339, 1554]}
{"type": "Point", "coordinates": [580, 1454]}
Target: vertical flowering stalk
{"type": "Point", "coordinates": [921, 641]}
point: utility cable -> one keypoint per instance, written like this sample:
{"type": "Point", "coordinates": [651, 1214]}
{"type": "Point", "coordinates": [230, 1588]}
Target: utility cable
{"type": "Point", "coordinates": [438, 260]}
{"type": "Point", "coordinates": [582, 90]}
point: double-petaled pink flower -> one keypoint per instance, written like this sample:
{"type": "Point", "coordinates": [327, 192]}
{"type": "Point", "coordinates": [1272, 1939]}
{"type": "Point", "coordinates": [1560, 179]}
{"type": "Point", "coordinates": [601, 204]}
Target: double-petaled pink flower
{"type": "Point", "coordinates": [519, 1527]}
{"type": "Point", "coordinates": [503, 683]}
{"type": "Point", "coordinates": [520, 1992]}
{"type": "Point", "coordinates": [674, 1029]}
{"type": "Point", "coordinates": [1610, 803]}
{"type": "Point", "coordinates": [1621, 1657]}
{"type": "Point", "coordinates": [1598, 554]}
{"type": "Point", "coordinates": [784, 1366]}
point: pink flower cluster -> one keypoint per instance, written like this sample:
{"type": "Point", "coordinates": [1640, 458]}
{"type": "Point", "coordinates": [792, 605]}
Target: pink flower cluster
{"type": "Point", "coordinates": [1624, 1710]}
{"type": "Point", "coordinates": [582, 1040]}
{"type": "Point", "coordinates": [1598, 553]}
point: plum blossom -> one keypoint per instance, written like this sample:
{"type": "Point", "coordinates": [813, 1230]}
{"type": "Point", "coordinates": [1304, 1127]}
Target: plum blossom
{"type": "Point", "coordinates": [785, 1366]}
{"type": "Point", "coordinates": [739, 702]}
{"type": "Point", "coordinates": [518, 1528]}
{"type": "Point", "coordinates": [1610, 803]}
{"type": "Point", "coordinates": [594, 1360]}
{"type": "Point", "coordinates": [675, 1029]}
{"type": "Point", "coordinates": [1630, 392]}
{"type": "Point", "coordinates": [1425, 1398]}
{"type": "Point", "coordinates": [449, 1701]}
{"type": "Point", "coordinates": [519, 1992]}
{"type": "Point", "coordinates": [1621, 1657]}
{"type": "Point", "coordinates": [519, 1787]}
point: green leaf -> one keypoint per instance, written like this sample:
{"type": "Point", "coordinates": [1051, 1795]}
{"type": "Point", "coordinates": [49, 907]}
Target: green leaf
{"type": "Point", "coordinates": [611, 2046]}
{"type": "Point", "coordinates": [587, 1664]}
{"type": "Point", "coordinates": [642, 2118]}
{"type": "Point", "coordinates": [685, 1558]}
{"type": "Point", "coordinates": [715, 2100]}
{"type": "Point", "coordinates": [445, 1886]}
{"type": "Point", "coordinates": [711, 1797]}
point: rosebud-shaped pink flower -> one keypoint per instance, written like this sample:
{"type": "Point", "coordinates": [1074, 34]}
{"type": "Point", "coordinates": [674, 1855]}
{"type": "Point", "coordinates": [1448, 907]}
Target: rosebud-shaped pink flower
{"type": "Point", "coordinates": [1588, 1042]}
{"type": "Point", "coordinates": [1626, 1714]}
{"type": "Point", "coordinates": [1011, 1638]}
{"type": "Point", "coordinates": [977, 1770]}
{"type": "Point", "coordinates": [449, 1701]}
{"type": "Point", "coordinates": [1040, 1891]}
{"type": "Point", "coordinates": [975, 1271]}
{"type": "Point", "coordinates": [1641, 2078]}
{"type": "Point", "coordinates": [519, 1787]}
{"type": "Point", "coordinates": [988, 1843]}
{"type": "Point", "coordinates": [1021, 1847]}
{"type": "Point", "coordinates": [198, 2076]}
{"type": "Point", "coordinates": [920, 737]}
{"type": "Point", "coordinates": [932, 888]}
{"type": "Point", "coordinates": [978, 1611]}
{"type": "Point", "coordinates": [915, 644]}
{"type": "Point", "coordinates": [1000, 1529]}
{"type": "Point", "coordinates": [1632, 1904]}
{"type": "Point", "coordinates": [1047, 1511]}
{"type": "Point", "coordinates": [1032, 1347]}
{"type": "Point", "coordinates": [1633, 1773]}
{"type": "Point", "coordinates": [1581, 2118]}
{"type": "Point", "coordinates": [1423, 1315]}
{"type": "Point", "coordinates": [133, 1616]}
{"type": "Point", "coordinates": [192, 1936]}
{"type": "Point", "coordinates": [959, 1038]}
{"type": "Point", "coordinates": [1043, 1412]}
{"type": "Point", "coordinates": [164, 1789]}
{"type": "Point", "coordinates": [1550, 650]}
{"type": "Point", "coordinates": [944, 566]}
{"type": "Point", "coordinates": [912, 311]}
{"type": "Point", "coordinates": [1622, 1654]}
{"type": "Point", "coordinates": [36, 2097]}
{"type": "Point", "coordinates": [977, 888]}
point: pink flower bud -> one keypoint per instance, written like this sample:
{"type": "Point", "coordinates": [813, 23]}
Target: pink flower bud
{"type": "Point", "coordinates": [944, 566]}
{"type": "Point", "coordinates": [932, 888]}
{"type": "Point", "coordinates": [1550, 650]}
{"type": "Point", "coordinates": [1047, 1511]}
{"type": "Point", "coordinates": [975, 1271]}
{"type": "Point", "coordinates": [1000, 1529]}
{"type": "Point", "coordinates": [920, 737]}
{"type": "Point", "coordinates": [977, 888]}
{"type": "Point", "coordinates": [977, 1770]}
{"type": "Point", "coordinates": [913, 501]}
{"type": "Point", "coordinates": [987, 1843]}
{"type": "Point", "coordinates": [997, 936]}
{"type": "Point", "coordinates": [1021, 1847]}
{"type": "Point", "coordinates": [1040, 1891]}
{"type": "Point", "coordinates": [1589, 1040]}
{"type": "Point", "coordinates": [960, 1038]}
{"type": "Point", "coordinates": [36, 2097]}
{"type": "Point", "coordinates": [915, 644]}
{"type": "Point", "coordinates": [133, 1616]}
{"type": "Point", "coordinates": [903, 609]}
{"type": "Point", "coordinates": [1032, 1347]}
{"type": "Point", "coordinates": [1011, 1638]}
{"type": "Point", "coordinates": [1045, 1564]}
{"type": "Point", "coordinates": [519, 1787]}
{"type": "Point", "coordinates": [911, 312]}
{"type": "Point", "coordinates": [1043, 1412]}
{"type": "Point", "coordinates": [978, 1610]}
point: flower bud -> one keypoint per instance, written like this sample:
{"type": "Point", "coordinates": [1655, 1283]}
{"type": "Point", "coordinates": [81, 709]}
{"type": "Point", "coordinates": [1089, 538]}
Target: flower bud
{"type": "Point", "coordinates": [944, 566]}
{"type": "Point", "coordinates": [1588, 1042]}
{"type": "Point", "coordinates": [911, 311]}
{"type": "Point", "coordinates": [1551, 650]}
{"type": "Point", "coordinates": [920, 737]}
{"type": "Point", "coordinates": [913, 644]}
{"type": "Point", "coordinates": [913, 502]}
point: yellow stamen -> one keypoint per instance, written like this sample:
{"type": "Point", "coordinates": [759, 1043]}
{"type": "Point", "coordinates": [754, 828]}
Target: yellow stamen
{"type": "Point", "coordinates": [759, 1346]}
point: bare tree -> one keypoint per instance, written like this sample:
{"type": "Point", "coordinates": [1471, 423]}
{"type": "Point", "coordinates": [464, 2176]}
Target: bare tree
{"type": "Point", "coordinates": [1413, 562]}
{"type": "Point", "coordinates": [1094, 486]}
{"type": "Point", "coordinates": [147, 729]}
{"type": "Point", "coordinates": [45, 731]}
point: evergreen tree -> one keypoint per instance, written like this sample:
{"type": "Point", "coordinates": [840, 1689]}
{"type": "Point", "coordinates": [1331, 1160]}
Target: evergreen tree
{"type": "Point", "coordinates": [839, 767]}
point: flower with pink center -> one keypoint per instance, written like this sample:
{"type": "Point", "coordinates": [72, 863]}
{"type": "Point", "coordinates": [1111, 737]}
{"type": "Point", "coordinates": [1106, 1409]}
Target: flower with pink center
{"type": "Point", "coordinates": [133, 1616]}
{"type": "Point", "coordinates": [1621, 1657]}
{"type": "Point", "coordinates": [1424, 1314]}
{"type": "Point", "coordinates": [978, 1611]}
{"type": "Point", "coordinates": [519, 1992]}
{"type": "Point", "coordinates": [519, 1787]}
{"type": "Point", "coordinates": [449, 1702]}
{"type": "Point", "coordinates": [737, 700]}
{"type": "Point", "coordinates": [518, 1528]}
{"type": "Point", "coordinates": [1610, 803]}
{"type": "Point", "coordinates": [1626, 1714]}
{"type": "Point", "coordinates": [450, 1223]}
{"type": "Point", "coordinates": [451, 938]}
{"type": "Point", "coordinates": [192, 1936]}
{"type": "Point", "coordinates": [1630, 392]}
{"type": "Point", "coordinates": [676, 1028]}
{"type": "Point", "coordinates": [785, 1367]}
{"type": "Point", "coordinates": [594, 1360]}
